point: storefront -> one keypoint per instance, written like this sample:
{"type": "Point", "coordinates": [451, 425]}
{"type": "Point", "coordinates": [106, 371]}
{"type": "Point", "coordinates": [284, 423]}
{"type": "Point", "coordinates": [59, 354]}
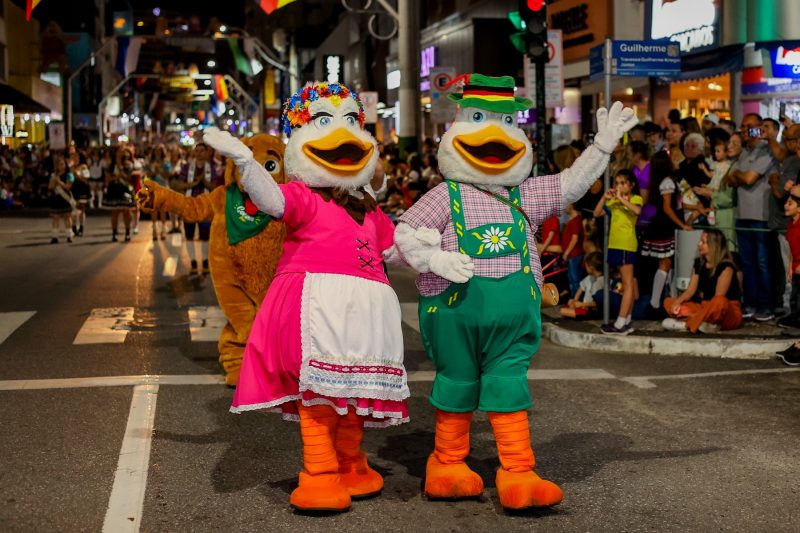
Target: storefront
{"type": "Point", "coordinates": [706, 81]}
{"type": "Point", "coordinates": [22, 119]}
{"type": "Point", "coordinates": [773, 89]}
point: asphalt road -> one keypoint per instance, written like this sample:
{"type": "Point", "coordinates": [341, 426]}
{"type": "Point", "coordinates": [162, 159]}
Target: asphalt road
{"type": "Point", "coordinates": [638, 443]}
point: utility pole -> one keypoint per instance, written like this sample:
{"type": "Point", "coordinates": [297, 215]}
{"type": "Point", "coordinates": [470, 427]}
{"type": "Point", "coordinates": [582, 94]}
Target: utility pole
{"type": "Point", "coordinates": [408, 43]}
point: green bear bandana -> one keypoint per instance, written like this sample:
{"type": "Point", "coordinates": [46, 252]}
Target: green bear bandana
{"type": "Point", "coordinates": [242, 217]}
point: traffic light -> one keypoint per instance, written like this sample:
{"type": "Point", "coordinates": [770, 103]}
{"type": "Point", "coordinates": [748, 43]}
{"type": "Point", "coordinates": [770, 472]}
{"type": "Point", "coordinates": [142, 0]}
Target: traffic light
{"type": "Point", "coordinates": [534, 14]}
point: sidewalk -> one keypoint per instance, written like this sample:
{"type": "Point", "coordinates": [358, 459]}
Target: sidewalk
{"type": "Point", "coordinates": [754, 340]}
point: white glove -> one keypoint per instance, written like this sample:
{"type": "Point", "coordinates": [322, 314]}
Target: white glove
{"type": "Point", "coordinates": [612, 125]}
{"type": "Point", "coordinates": [228, 145]}
{"type": "Point", "coordinates": [452, 266]}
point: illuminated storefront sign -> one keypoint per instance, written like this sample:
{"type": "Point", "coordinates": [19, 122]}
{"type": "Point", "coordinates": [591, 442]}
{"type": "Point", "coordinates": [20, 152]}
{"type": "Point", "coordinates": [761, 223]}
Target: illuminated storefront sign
{"type": "Point", "coordinates": [694, 24]}
{"type": "Point", "coordinates": [333, 68]}
{"type": "Point", "coordinates": [785, 62]}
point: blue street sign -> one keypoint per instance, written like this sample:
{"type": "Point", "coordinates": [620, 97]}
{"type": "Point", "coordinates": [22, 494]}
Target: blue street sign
{"type": "Point", "coordinates": [638, 58]}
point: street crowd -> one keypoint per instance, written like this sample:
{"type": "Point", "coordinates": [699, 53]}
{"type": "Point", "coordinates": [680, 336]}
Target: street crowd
{"type": "Point", "coordinates": [734, 187]}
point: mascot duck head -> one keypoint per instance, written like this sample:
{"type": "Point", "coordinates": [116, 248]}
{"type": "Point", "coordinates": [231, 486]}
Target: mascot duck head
{"type": "Point", "coordinates": [328, 146]}
{"type": "Point", "coordinates": [484, 145]}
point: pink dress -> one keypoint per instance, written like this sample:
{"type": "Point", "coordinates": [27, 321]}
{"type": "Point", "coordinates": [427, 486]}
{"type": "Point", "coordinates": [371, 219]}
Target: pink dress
{"type": "Point", "coordinates": [329, 329]}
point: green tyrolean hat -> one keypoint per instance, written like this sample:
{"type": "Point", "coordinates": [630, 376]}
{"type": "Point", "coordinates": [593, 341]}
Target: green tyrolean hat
{"type": "Point", "coordinates": [490, 93]}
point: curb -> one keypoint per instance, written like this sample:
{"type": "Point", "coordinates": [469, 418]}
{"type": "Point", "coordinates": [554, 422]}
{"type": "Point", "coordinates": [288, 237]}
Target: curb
{"type": "Point", "coordinates": [753, 348]}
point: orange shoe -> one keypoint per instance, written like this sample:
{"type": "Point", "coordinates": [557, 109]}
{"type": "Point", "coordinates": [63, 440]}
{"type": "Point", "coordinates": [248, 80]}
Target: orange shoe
{"type": "Point", "coordinates": [518, 486]}
{"type": "Point", "coordinates": [447, 476]}
{"type": "Point", "coordinates": [520, 490]}
{"type": "Point", "coordinates": [357, 477]}
{"type": "Point", "coordinates": [320, 493]}
{"type": "Point", "coordinates": [451, 481]}
{"type": "Point", "coordinates": [319, 487]}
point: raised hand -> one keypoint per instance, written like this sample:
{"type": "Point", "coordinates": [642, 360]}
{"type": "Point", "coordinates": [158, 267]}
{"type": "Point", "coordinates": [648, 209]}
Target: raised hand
{"type": "Point", "coordinates": [146, 196]}
{"type": "Point", "coordinates": [228, 145]}
{"type": "Point", "coordinates": [612, 125]}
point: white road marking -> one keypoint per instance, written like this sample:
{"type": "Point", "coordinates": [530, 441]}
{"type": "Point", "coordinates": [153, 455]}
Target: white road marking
{"type": "Point", "coordinates": [11, 321]}
{"type": "Point", "coordinates": [10, 231]}
{"type": "Point", "coordinates": [415, 376]}
{"type": "Point", "coordinates": [130, 480]}
{"type": "Point", "coordinates": [645, 382]}
{"type": "Point", "coordinates": [106, 325]}
{"type": "Point", "coordinates": [170, 266]}
{"type": "Point", "coordinates": [410, 315]}
{"type": "Point", "coordinates": [206, 323]}
{"type": "Point", "coordinates": [112, 381]}
{"type": "Point", "coordinates": [176, 240]}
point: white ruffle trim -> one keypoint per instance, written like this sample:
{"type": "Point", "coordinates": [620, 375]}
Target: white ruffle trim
{"type": "Point", "coordinates": [385, 418]}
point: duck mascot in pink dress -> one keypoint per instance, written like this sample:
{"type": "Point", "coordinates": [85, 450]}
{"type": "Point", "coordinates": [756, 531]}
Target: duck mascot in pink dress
{"type": "Point", "coordinates": [481, 324]}
{"type": "Point", "coordinates": [326, 348]}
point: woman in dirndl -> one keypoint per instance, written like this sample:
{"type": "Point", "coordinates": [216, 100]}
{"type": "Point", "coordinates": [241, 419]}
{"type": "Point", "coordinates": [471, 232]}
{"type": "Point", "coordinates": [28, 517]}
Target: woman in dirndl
{"type": "Point", "coordinates": [61, 200]}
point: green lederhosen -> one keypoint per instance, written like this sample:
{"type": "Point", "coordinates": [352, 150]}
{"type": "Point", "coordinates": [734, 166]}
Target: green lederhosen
{"type": "Point", "coordinates": [481, 335]}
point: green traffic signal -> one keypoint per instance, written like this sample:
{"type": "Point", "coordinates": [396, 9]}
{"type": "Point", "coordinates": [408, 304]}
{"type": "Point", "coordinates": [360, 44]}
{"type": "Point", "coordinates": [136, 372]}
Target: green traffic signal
{"type": "Point", "coordinates": [516, 20]}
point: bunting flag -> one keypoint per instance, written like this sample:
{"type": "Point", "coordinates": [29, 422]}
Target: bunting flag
{"type": "Point", "coordinates": [242, 63]}
{"type": "Point", "coordinates": [31, 4]}
{"type": "Point", "coordinates": [271, 5]}
{"type": "Point", "coordinates": [220, 87]}
{"type": "Point", "coordinates": [128, 49]}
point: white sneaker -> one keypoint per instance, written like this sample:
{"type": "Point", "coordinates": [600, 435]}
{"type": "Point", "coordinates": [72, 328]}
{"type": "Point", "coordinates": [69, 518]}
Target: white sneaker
{"type": "Point", "coordinates": [672, 324]}
{"type": "Point", "coordinates": [705, 327]}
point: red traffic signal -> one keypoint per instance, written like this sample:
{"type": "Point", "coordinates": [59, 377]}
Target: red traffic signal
{"type": "Point", "coordinates": [535, 5]}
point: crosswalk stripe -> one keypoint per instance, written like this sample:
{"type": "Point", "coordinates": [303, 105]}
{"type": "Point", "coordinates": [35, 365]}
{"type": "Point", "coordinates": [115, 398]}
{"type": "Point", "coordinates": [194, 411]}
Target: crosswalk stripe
{"type": "Point", "coordinates": [176, 240]}
{"type": "Point", "coordinates": [106, 325]}
{"type": "Point", "coordinates": [11, 321]}
{"type": "Point", "coordinates": [206, 323]}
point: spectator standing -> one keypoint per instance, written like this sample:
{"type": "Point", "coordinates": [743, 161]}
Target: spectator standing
{"type": "Point", "coordinates": [793, 237]}
{"type": "Point", "coordinates": [659, 240]}
{"type": "Point", "coordinates": [61, 202]}
{"type": "Point", "coordinates": [770, 129]}
{"type": "Point", "coordinates": [200, 175]}
{"type": "Point", "coordinates": [623, 205]}
{"type": "Point", "coordinates": [777, 245]}
{"type": "Point", "coordinates": [710, 121]}
{"type": "Point", "coordinates": [711, 302]}
{"type": "Point", "coordinates": [751, 175]}
{"type": "Point", "coordinates": [654, 136]}
{"type": "Point", "coordinates": [675, 133]}
{"type": "Point", "coordinates": [639, 156]}
{"type": "Point", "coordinates": [693, 172]}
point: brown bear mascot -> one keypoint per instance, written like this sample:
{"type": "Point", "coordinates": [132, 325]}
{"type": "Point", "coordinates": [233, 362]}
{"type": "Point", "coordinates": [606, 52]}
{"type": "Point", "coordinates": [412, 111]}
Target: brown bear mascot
{"type": "Point", "coordinates": [244, 247]}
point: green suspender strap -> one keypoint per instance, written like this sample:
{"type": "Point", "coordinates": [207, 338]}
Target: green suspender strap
{"type": "Point", "coordinates": [491, 240]}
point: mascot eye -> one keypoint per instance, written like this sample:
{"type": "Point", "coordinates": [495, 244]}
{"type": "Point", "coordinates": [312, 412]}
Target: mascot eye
{"type": "Point", "coordinates": [477, 116]}
{"type": "Point", "coordinates": [271, 165]}
{"type": "Point", "coordinates": [508, 119]}
{"type": "Point", "coordinates": [351, 121]}
{"type": "Point", "coordinates": [322, 121]}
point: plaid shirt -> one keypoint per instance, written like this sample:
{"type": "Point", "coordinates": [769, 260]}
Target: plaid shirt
{"type": "Point", "coordinates": [541, 199]}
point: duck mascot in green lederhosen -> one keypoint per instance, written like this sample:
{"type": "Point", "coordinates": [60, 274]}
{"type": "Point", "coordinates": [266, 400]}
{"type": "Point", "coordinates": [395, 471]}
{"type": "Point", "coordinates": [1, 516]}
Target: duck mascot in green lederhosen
{"type": "Point", "coordinates": [482, 329]}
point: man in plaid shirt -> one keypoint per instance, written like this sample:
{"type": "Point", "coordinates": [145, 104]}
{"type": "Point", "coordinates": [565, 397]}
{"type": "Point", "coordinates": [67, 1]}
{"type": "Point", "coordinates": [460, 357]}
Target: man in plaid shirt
{"type": "Point", "coordinates": [480, 314]}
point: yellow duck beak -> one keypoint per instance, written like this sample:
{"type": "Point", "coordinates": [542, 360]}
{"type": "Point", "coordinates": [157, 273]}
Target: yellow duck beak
{"type": "Point", "coordinates": [339, 151]}
{"type": "Point", "coordinates": [489, 150]}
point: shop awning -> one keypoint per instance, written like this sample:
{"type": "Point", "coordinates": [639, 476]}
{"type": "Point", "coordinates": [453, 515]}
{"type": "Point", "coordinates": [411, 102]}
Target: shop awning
{"type": "Point", "coordinates": [712, 63]}
{"type": "Point", "coordinates": [22, 103]}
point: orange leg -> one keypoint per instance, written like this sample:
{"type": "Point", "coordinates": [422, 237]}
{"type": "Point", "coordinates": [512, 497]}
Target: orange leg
{"type": "Point", "coordinates": [356, 476]}
{"type": "Point", "coordinates": [447, 475]}
{"type": "Point", "coordinates": [319, 487]}
{"type": "Point", "coordinates": [518, 486]}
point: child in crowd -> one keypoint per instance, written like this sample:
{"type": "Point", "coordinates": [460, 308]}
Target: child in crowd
{"type": "Point", "coordinates": [659, 239]}
{"type": "Point", "coordinates": [623, 204]}
{"type": "Point", "coordinates": [550, 252]}
{"type": "Point", "coordinates": [711, 302]}
{"type": "Point", "coordinates": [792, 210]}
{"type": "Point", "coordinates": [583, 304]}
{"type": "Point", "coordinates": [716, 174]}
{"type": "Point", "coordinates": [572, 255]}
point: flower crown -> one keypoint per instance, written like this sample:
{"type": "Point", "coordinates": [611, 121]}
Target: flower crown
{"type": "Point", "coordinates": [295, 110]}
